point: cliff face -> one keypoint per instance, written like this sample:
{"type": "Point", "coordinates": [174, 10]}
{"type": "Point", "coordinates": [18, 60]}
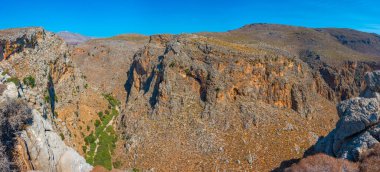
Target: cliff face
{"type": "Point", "coordinates": [358, 127]}
{"type": "Point", "coordinates": [206, 98]}
{"type": "Point", "coordinates": [40, 58]}
{"type": "Point", "coordinates": [247, 99]}
{"type": "Point", "coordinates": [355, 138]}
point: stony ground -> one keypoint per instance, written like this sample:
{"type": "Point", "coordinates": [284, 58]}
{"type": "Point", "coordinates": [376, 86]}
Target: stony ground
{"type": "Point", "coordinates": [247, 99]}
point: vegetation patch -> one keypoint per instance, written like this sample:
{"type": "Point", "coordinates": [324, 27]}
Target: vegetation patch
{"type": "Point", "coordinates": [101, 143]}
{"type": "Point", "coordinates": [6, 72]}
{"type": "Point", "coordinates": [111, 100]}
{"type": "Point", "coordinates": [15, 80]}
{"type": "Point", "coordinates": [62, 136]}
{"type": "Point", "coordinates": [29, 81]}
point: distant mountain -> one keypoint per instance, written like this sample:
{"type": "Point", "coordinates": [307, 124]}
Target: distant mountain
{"type": "Point", "coordinates": [330, 44]}
{"type": "Point", "coordinates": [73, 38]}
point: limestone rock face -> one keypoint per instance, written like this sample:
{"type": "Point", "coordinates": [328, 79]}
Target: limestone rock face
{"type": "Point", "coordinates": [45, 149]}
{"type": "Point", "coordinates": [359, 125]}
{"type": "Point", "coordinates": [43, 56]}
{"type": "Point", "coordinates": [48, 152]}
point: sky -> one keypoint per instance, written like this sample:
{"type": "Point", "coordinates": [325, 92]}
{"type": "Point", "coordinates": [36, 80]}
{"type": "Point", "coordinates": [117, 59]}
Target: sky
{"type": "Point", "coordinates": [104, 18]}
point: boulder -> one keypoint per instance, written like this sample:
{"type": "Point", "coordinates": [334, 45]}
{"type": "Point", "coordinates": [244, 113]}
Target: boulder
{"type": "Point", "coordinates": [359, 125]}
{"type": "Point", "coordinates": [43, 146]}
{"type": "Point", "coordinates": [47, 151]}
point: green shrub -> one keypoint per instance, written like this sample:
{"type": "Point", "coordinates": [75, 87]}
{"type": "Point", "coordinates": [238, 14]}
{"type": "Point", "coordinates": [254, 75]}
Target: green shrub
{"type": "Point", "coordinates": [29, 81]}
{"type": "Point", "coordinates": [84, 148]}
{"type": "Point", "coordinates": [111, 100]}
{"type": "Point", "coordinates": [187, 71]}
{"type": "Point", "coordinates": [90, 139]}
{"type": "Point", "coordinates": [62, 136]}
{"type": "Point", "coordinates": [117, 164]}
{"type": "Point", "coordinates": [15, 80]}
{"type": "Point", "coordinates": [47, 98]}
{"type": "Point", "coordinates": [85, 86]}
{"type": "Point", "coordinates": [172, 64]}
{"type": "Point", "coordinates": [5, 72]}
{"type": "Point", "coordinates": [110, 130]}
{"type": "Point", "coordinates": [100, 114]}
{"type": "Point", "coordinates": [97, 123]}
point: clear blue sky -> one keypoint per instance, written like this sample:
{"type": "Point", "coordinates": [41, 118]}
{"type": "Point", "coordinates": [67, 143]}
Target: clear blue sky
{"type": "Point", "coordinates": [103, 18]}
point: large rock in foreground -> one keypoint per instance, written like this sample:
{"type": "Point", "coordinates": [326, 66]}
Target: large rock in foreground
{"type": "Point", "coordinates": [359, 125]}
{"type": "Point", "coordinates": [42, 147]}
{"type": "Point", "coordinates": [48, 152]}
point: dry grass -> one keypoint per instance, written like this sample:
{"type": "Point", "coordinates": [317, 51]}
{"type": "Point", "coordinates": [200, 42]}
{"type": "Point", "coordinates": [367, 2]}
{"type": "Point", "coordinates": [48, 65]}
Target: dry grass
{"type": "Point", "coordinates": [130, 37]}
{"type": "Point", "coordinates": [322, 162]}
{"type": "Point", "coordinates": [370, 160]}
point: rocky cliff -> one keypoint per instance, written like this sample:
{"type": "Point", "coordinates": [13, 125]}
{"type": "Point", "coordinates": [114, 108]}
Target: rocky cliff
{"type": "Point", "coordinates": [41, 59]}
{"type": "Point", "coordinates": [355, 138]}
{"type": "Point", "coordinates": [223, 100]}
{"type": "Point", "coordinates": [358, 127]}
{"type": "Point", "coordinates": [246, 99]}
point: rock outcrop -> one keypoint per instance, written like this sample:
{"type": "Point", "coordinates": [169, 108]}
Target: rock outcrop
{"type": "Point", "coordinates": [42, 56]}
{"type": "Point", "coordinates": [44, 148]}
{"type": "Point", "coordinates": [242, 100]}
{"type": "Point", "coordinates": [359, 125]}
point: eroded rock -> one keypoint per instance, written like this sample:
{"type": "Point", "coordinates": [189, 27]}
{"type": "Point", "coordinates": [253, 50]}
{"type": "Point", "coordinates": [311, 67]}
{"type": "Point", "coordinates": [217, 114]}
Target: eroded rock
{"type": "Point", "coordinates": [358, 126]}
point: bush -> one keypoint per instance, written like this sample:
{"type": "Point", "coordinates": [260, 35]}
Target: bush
{"type": "Point", "coordinates": [172, 64]}
{"type": "Point", "coordinates": [15, 80]}
{"type": "Point", "coordinates": [370, 159]}
{"type": "Point", "coordinates": [47, 98]}
{"type": "Point", "coordinates": [6, 72]}
{"type": "Point", "coordinates": [29, 81]}
{"type": "Point", "coordinates": [100, 114]}
{"type": "Point", "coordinates": [97, 123]}
{"type": "Point", "coordinates": [187, 71]}
{"type": "Point", "coordinates": [84, 148]}
{"type": "Point", "coordinates": [117, 164]}
{"type": "Point", "coordinates": [111, 100]}
{"type": "Point", "coordinates": [4, 160]}
{"type": "Point", "coordinates": [14, 116]}
{"type": "Point", "coordinates": [322, 162]}
{"type": "Point", "coordinates": [90, 139]}
{"type": "Point", "coordinates": [62, 136]}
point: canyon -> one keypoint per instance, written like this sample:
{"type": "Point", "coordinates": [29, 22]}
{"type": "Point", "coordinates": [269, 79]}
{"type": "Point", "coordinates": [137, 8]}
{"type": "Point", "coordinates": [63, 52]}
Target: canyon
{"type": "Point", "coordinates": [250, 99]}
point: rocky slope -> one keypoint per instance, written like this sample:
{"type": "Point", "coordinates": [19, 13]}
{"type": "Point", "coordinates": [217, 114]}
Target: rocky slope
{"type": "Point", "coordinates": [223, 100]}
{"type": "Point", "coordinates": [39, 147]}
{"type": "Point", "coordinates": [73, 38]}
{"type": "Point", "coordinates": [358, 126]}
{"type": "Point", "coordinates": [246, 99]}
{"type": "Point", "coordinates": [42, 57]}
{"type": "Point", "coordinates": [355, 138]}
{"type": "Point", "coordinates": [340, 56]}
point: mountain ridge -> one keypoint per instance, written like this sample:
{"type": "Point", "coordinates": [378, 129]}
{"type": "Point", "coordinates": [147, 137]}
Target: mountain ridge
{"type": "Point", "coordinates": [238, 100]}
